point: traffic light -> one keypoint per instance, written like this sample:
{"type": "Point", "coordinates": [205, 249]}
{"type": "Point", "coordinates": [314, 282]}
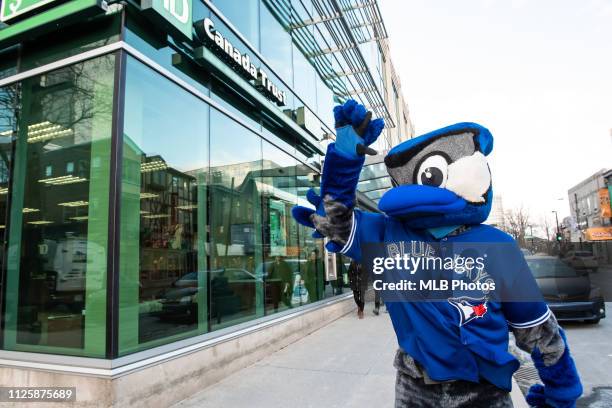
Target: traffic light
{"type": "Point", "coordinates": [559, 237]}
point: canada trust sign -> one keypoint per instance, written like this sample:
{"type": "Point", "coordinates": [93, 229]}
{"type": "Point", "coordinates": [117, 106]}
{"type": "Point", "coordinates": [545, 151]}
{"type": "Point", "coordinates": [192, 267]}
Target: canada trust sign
{"type": "Point", "coordinates": [205, 29]}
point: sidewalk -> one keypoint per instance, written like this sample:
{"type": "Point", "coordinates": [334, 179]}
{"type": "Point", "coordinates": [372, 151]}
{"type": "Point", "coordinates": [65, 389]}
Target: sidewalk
{"type": "Point", "coordinates": [348, 363]}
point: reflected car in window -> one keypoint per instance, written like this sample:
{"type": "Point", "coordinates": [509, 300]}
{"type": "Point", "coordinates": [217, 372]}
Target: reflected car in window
{"type": "Point", "coordinates": [232, 290]}
{"type": "Point", "coordinates": [581, 260]}
{"type": "Point", "coordinates": [568, 291]}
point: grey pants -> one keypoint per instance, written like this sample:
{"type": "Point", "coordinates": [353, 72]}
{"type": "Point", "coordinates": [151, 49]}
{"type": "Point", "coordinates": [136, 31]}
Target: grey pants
{"type": "Point", "coordinates": [411, 391]}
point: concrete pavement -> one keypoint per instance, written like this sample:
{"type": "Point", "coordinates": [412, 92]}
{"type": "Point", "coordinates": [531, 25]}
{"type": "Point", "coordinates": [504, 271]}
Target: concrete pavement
{"type": "Point", "coordinates": [348, 363]}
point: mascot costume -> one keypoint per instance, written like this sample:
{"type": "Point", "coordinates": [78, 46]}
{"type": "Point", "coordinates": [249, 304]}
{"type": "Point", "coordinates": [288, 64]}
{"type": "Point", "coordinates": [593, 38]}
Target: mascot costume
{"type": "Point", "coordinates": [455, 353]}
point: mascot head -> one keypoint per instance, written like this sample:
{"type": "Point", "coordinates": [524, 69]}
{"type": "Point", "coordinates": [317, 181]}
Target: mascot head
{"type": "Point", "coordinates": [441, 178]}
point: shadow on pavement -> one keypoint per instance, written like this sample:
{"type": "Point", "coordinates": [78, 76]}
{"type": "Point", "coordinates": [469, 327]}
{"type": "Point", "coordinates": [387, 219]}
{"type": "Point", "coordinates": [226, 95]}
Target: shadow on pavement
{"type": "Point", "coordinates": [600, 398]}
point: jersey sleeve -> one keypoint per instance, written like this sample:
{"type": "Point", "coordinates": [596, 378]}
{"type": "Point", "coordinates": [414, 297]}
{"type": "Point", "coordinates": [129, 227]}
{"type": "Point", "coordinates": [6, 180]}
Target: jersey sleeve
{"type": "Point", "coordinates": [366, 227]}
{"type": "Point", "coordinates": [522, 302]}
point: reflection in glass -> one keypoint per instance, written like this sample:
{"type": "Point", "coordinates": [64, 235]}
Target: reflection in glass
{"type": "Point", "coordinates": [312, 265]}
{"type": "Point", "coordinates": [284, 285]}
{"type": "Point", "coordinates": [56, 267]}
{"type": "Point", "coordinates": [8, 124]}
{"type": "Point", "coordinates": [244, 15]}
{"type": "Point", "coordinates": [276, 45]}
{"type": "Point", "coordinates": [236, 282]}
{"type": "Point", "coordinates": [304, 79]}
{"type": "Point", "coordinates": [163, 212]}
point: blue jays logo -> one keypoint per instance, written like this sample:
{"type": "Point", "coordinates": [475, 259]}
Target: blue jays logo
{"type": "Point", "coordinates": [469, 308]}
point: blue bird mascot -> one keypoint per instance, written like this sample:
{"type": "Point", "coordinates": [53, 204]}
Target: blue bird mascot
{"type": "Point", "coordinates": [455, 353]}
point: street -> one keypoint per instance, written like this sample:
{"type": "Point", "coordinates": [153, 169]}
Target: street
{"type": "Point", "coordinates": [592, 350]}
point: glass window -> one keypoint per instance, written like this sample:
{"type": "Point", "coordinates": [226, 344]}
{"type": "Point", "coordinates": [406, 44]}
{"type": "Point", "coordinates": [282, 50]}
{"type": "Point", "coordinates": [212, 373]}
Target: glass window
{"type": "Point", "coordinates": [163, 267]}
{"type": "Point", "coordinates": [56, 267]}
{"type": "Point", "coordinates": [168, 52]}
{"type": "Point", "coordinates": [304, 79]}
{"type": "Point", "coordinates": [8, 124]}
{"type": "Point", "coordinates": [236, 278]}
{"type": "Point", "coordinates": [325, 103]}
{"type": "Point", "coordinates": [8, 62]}
{"type": "Point", "coordinates": [244, 15]}
{"type": "Point", "coordinates": [311, 253]}
{"type": "Point", "coordinates": [276, 45]}
{"type": "Point", "coordinates": [232, 100]}
{"type": "Point", "coordinates": [284, 286]}
{"type": "Point", "coordinates": [302, 10]}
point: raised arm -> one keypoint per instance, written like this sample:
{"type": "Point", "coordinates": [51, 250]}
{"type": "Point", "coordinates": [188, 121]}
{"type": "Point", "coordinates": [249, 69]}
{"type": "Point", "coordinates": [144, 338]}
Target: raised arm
{"type": "Point", "coordinates": [334, 216]}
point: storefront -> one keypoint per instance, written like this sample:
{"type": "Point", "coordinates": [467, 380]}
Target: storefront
{"type": "Point", "coordinates": [151, 153]}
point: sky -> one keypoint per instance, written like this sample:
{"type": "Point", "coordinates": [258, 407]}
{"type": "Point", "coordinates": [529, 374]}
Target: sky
{"type": "Point", "coordinates": [537, 73]}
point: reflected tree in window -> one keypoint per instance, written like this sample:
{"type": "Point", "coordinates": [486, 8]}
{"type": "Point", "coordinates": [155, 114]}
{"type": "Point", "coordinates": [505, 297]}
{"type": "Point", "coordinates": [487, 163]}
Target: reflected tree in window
{"type": "Point", "coordinates": [56, 269]}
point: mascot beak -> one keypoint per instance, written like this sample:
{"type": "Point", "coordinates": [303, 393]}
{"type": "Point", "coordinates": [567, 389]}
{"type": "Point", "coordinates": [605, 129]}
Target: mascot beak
{"type": "Point", "coordinates": [415, 200]}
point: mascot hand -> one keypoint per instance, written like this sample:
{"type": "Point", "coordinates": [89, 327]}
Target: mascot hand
{"type": "Point", "coordinates": [355, 130]}
{"type": "Point", "coordinates": [562, 385]}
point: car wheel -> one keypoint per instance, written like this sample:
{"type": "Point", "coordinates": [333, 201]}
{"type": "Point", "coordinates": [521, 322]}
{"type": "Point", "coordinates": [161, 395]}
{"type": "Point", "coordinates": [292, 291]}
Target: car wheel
{"type": "Point", "coordinates": [594, 321]}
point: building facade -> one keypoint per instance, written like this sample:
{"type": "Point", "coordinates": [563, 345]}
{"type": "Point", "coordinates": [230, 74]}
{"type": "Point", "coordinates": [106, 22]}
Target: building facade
{"type": "Point", "coordinates": [497, 218]}
{"type": "Point", "coordinates": [151, 154]}
{"type": "Point", "coordinates": [589, 203]}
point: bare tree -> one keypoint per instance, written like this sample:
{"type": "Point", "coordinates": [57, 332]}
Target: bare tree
{"type": "Point", "coordinates": [517, 222]}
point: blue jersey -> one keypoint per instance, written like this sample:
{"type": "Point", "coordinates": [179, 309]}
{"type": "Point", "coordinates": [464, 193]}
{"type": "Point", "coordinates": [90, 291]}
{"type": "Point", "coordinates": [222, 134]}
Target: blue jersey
{"type": "Point", "coordinates": [448, 343]}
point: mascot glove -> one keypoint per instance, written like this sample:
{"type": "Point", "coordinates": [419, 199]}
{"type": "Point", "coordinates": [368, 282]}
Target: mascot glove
{"type": "Point", "coordinates": [562, 385]}
{"type": "Point", "coordinates": [353, 129]}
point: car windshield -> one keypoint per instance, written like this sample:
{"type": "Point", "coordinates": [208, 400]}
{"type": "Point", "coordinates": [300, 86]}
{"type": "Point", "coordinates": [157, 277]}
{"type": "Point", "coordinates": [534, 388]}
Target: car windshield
{"type": "Point", "coordinates": [189, 276]}
{"type": "Point", "coordinates": [550, 268]}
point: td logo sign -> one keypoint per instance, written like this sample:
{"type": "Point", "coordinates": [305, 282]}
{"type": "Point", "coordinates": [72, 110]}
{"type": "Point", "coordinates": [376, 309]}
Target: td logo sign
{"type": "Point", "coordinates": [175, 12]}
{"type": "Point", "coordinates": [15, 8]}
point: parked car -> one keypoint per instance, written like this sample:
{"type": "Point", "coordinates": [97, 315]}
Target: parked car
{"type": "Point", "coordinates": [581, 260]}
{"type": "Point", "coordinates": [568, 291]}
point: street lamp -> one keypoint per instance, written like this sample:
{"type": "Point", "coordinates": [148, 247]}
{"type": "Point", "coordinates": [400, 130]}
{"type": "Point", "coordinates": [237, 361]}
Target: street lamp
{"type": "Point", "coordinates": [557, 220]}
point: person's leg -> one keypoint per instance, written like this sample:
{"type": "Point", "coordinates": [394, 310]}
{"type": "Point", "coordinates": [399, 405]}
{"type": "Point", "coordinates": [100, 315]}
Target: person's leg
{"type": "Point", "coordinates": [360, 305]}
{"type": "Point", "coordinates": [376, 302]}
{"type": "Point", "coordinates": [357, 297]}
{"type": "Point", "coordinates": [359, 300]}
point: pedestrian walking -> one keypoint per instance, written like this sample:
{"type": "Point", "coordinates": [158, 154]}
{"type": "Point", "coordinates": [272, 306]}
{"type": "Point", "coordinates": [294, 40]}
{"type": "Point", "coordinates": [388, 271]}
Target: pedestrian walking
{"type": "Point", "coordinates": [358, 280]}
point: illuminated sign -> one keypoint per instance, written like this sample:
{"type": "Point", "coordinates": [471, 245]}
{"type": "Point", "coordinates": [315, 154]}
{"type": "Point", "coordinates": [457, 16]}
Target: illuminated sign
{"type": "Point", "coordinates": [604, 203]}
{"type": "Point", "coordinates": [242, 62]}
{"type": "Point", "coordinates": [16, 8]}
{"type": "Point", "coordinates": [599, 234]}
{"type": "Point", "coordinates": [176, 12]}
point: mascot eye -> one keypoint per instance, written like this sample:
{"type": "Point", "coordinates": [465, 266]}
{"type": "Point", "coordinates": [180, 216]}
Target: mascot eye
{"type": "Point", "coordinates": [433, 172]}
